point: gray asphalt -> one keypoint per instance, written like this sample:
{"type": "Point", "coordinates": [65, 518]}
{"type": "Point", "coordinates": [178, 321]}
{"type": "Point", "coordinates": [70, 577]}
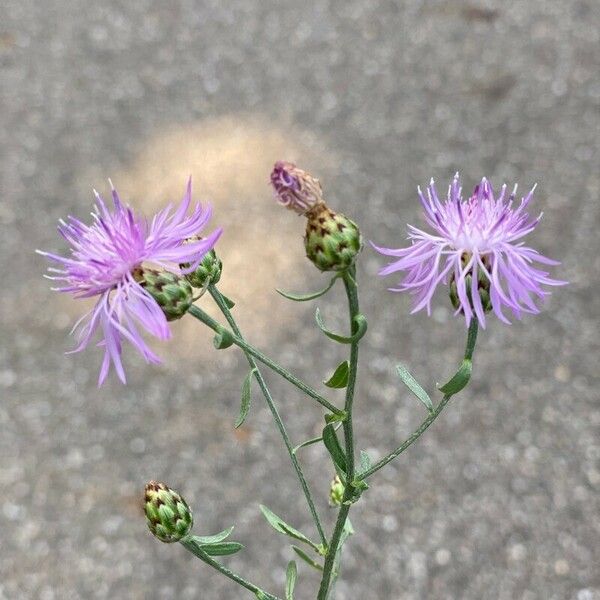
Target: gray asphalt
{"type": "Point", "coordinates": [500, 500]}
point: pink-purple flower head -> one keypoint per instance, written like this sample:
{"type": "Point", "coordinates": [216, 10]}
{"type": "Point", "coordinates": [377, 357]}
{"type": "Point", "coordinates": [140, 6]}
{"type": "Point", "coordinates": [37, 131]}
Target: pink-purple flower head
{"type": "Point", "coordinates": [476, 247]}
{"type": "Point", "coordinates": [105, 260]}
{"type": "Point", "coordinates": [295, 188]}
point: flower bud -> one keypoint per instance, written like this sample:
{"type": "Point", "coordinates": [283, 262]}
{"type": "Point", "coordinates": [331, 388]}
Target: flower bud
{"type": "Point", "coordinates": [483, 286]}
{"type": "Point", "coordinates": [294, 188]}
{"type": "Point", "coordinates": [172, 293]}
{"type": "Point", "coordinates": [336, 491]}
{"type": "Point", "coordinates": [332, 240]}
{"type": "Point", "coordinates": [168, 516]}
{"type": "Point", "coordinates": [207, 272]}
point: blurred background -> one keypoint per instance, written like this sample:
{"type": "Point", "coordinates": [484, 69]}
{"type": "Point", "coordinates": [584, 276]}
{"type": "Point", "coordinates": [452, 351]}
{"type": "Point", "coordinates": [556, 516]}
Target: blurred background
{"type": "Point", "coordinates": [500, 500]}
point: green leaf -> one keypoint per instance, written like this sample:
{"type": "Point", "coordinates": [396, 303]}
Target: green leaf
{"type": "Point", "coordinates": [337, 418]}
{"type": "Point", "coordinates": [339, 379]}
{"type": "Point", "coordinates": [413, 385]}
{"type": "Point", "coordinates": [333, 446]}
{"type": "Point", "coordinates": [459, 380]}
{"type": "Point", "coordinates": [282, 527]}
{"type": "Point", "coordinates": [307, 297]}
{"type": "Point", "coordinates": [213, 539]}
{"type": "Point", "coordinates": [290, 580]}
{"type": "Point", "coordinates": [223, 339]}
{"type": "Point", "coordinates": [365, 461]}
{"type": "Point", "coordinates": [359, 328]}
{"type": "Point", "coordinates": [261, 595]}
{"type": "Point", "coordinates": [221, 548]}
{"type": "Point", "coordinates": [246, 397]}
{"type": "Point", "coordinates": [228, 301]}
{"type": "Point", "coordinates": [307, 559]}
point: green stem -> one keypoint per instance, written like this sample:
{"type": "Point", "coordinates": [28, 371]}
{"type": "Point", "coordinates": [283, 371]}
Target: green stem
{"type": "Point", "coordinates": [471, 339]}
{"type": "Point", "coordinates": [197, 312]}
{"type": "Point", "coordinates": [196, 550]}
{"type": "Point", "coordinates": [218, 298]}
{"type": "Point", "coordinates": [332, 551]}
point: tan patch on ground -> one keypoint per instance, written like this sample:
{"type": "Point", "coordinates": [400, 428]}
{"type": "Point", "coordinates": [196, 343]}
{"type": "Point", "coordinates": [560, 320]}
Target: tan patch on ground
{"type": "Point", "coordinates": [230, 159]}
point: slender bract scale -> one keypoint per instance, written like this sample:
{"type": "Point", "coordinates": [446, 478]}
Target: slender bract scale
{"type": "Point", "coordinates": [476, 247]}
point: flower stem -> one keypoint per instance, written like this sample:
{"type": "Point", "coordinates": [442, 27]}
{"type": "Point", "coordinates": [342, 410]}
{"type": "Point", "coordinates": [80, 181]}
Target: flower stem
{"type": "Point", "coordinates": [197, 312]}
{"type": "Point", "coordinates": [191, 545]}
{"type": "Point", "coordinates": [470, 347]}
{"type": "Point", "coordinates": [218, 298]}
{"type": "Point", "coordinates": [332, 551]}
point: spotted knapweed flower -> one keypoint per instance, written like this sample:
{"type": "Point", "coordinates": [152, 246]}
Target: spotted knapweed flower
{"type": "Point", "coordinates": [112, 258]}
{"type": "Point", "coordinates": [332, 241]}
{"type": "Point", "coordinates": [476, 248]}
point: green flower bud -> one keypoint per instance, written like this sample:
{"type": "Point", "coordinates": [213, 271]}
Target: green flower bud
{"type": "Point", "coordinates": [336, 491]}
{"type": "Point", "coordinates": [332, 240]}
{"type": "Point", "coordinates": [207, 272]}
{"type": "Point", "coordinates": [172, 293]}
{"type": "Point", "coordinates": [168, 516]}
{"type": "Point", "coordinates": [483, 286]}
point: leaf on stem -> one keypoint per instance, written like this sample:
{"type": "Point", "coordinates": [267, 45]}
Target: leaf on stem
{"type": "Point", "coordinates": [333, 446]}
{"type": "Point", "coordinates": [282, 527]}
{"type": "Point", "coordinates": [223, 339]}
{"type": "Point", "coordinates": [213, 539]}
{"type": "Point", "coordinates": [359, 328]}
{"type": "Point", "coordinates": [365, 461]}
{"type": "Point", "coordinates": [246, 398]}
{"type": "Point", "coordinates": [307, 297]}
{"type": "Point", "coordinates": [290, 580]}
{"type": "Point", "coordinates": [413, 385]}
{"type": "Point", "coordinates": [307, 559]}
{"type": "Point", "coordinates": [339, 379]}
{"type": "Point", "coordinates": [229, 303]}
{"type": "Point", "coordinates": [459, 380]}
{"type": "Point", "coordinates": [221, 548]}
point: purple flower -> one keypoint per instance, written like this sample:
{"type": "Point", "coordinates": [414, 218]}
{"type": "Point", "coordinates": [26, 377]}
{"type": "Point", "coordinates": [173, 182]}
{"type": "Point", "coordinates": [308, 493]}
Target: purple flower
{"type": "Point", "coordinates": [294, 188]}
{"type": "Point", "coordinates": [105, 257]}
{"type": "Point", "coordinates": [476, 247]}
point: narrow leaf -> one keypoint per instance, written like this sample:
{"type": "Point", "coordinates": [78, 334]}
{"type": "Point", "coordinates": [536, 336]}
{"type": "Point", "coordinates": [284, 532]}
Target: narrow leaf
{"type": "Point", "coordinates": [228, 301]}
{"type": "Point", "coordinates": [213, 539]}
{"type": "Point", "coordinates": [307, 559]}
{"type": "Point", "coordinates": [290, 580]}
{"type": "Point", "coordinates": [413, 385]}
{"type": "Point", "coordinates": [365, 461]}
{"type": "Point", "coordinates": [459, 380]}
{"type": "Point", "coordinates": [307, 297]}
{"type": "Point", "coordinates": [246, 398]}
{"type": "Point", "coordinates": [359, 328]}
{"type": "Point", "coordinates": [222, 548]}
{"type": "Point", "coordinates": [282, 527]}
{"type": "Point", "coordinates": [339, 379]}
{"type": "Point", "coordinates": [223, 339]}
{"type": "Point", "coordinates": [333, 446]}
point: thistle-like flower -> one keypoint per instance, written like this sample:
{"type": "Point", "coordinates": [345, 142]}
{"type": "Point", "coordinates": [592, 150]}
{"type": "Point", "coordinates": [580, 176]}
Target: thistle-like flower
{"type": "Point", "coordinates": [115, 259]}
{"type": "Point", "coordinates": [332, 241]}
{"type": "Point", "coordinates": [477, 249]}
{"type": "Point", "coordinates": [168, 515]}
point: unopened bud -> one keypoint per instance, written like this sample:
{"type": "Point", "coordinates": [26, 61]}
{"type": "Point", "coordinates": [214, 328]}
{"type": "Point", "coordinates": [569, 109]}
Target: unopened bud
{"type": "Point", "coordinates": [168, 516]}
{"type": "Point", "coordinates": [172, 293]}
{"type": "Point", "coordinates": [336, 491]}
{"type": "Point", "coordinates": [207, 272]}
{"type": "Point", "coordinates": [332, 240]}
